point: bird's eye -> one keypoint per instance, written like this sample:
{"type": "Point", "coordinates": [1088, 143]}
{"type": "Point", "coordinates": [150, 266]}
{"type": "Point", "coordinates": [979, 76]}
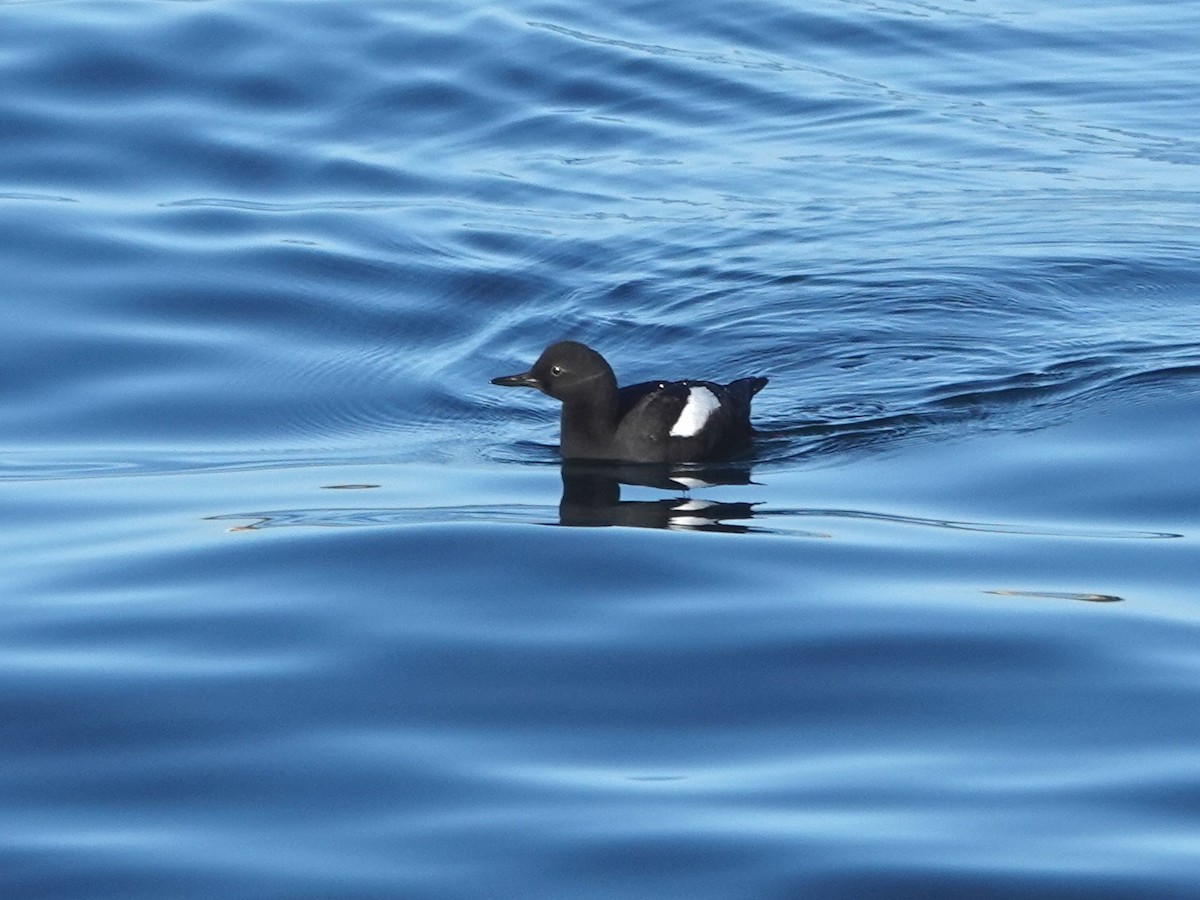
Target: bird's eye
{"type": "Point", "coordinates": [556, 371]}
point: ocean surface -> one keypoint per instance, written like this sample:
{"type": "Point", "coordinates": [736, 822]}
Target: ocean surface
{"type": "Point", "coordinates": [284, 612]}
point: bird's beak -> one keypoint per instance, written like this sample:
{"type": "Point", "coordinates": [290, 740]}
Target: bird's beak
{"type": "Point", "coordinates": [525, 379]}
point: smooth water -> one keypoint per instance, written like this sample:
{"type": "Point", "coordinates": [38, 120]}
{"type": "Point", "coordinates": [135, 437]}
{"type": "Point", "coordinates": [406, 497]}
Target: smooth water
{"type": "Point", "coordinates": [281, 613]}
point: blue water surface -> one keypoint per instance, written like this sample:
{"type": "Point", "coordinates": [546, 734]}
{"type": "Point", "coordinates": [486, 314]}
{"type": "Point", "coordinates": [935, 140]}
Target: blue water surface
{"type": "Point", "coordinates": [282, 612]}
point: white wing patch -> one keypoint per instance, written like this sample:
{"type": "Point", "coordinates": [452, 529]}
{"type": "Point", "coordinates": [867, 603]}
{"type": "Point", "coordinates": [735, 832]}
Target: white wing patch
{"type": "Point", "coordinates": [701, 404]}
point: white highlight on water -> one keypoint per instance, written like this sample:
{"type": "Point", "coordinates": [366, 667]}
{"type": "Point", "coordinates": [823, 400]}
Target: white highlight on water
{"type": "Point", "coordinates": [701, 404]}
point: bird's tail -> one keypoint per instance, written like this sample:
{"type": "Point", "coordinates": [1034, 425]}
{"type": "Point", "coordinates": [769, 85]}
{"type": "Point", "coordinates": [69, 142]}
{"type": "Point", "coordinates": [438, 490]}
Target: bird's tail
{"type": "Point", "coordinates": [745, 388]}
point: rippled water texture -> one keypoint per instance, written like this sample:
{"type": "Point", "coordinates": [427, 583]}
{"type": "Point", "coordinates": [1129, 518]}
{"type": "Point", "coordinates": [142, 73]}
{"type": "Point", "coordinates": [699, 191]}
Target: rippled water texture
{"type": "Point", "coordinates": [283, 615]}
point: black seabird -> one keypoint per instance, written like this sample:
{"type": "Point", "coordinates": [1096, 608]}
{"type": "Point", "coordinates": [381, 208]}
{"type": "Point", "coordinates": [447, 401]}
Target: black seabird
{"type": "Point", "coordinates": [651, 422]}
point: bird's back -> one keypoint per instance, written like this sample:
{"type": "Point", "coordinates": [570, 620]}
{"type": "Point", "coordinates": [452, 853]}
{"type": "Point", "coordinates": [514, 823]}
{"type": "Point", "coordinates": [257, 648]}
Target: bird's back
{"type": "Point", "coordinates": [683, 421]}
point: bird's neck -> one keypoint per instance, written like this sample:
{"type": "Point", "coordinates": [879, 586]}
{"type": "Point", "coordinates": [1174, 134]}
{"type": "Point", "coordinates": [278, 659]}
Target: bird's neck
{"type": "Point", "coordinates": [589, 423]}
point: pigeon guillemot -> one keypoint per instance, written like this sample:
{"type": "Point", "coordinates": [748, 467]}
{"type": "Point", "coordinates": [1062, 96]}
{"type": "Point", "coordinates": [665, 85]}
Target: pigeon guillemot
{"type": "Point", "coordinates": [651, 422]}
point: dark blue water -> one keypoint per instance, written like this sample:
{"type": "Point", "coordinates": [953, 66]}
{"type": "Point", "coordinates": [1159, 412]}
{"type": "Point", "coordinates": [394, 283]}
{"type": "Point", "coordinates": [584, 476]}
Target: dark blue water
{"type": "Point", "coordinates": [281, 613]}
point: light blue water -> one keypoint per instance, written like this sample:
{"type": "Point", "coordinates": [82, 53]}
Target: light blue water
{"type": "Point", "coordinates": [281, 615]}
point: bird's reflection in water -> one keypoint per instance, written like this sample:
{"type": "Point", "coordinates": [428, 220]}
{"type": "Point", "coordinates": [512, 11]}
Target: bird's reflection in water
{"type": "Point", "coordinates": [592, 497]}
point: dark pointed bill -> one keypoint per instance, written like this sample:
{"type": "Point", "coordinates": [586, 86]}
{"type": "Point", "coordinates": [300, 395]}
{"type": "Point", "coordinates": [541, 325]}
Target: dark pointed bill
{"type": "Point", "coordinates": [525, 379]}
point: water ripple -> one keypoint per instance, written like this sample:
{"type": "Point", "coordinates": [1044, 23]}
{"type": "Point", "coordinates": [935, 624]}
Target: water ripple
{"type": "Point", "coordinates": [255, 264]}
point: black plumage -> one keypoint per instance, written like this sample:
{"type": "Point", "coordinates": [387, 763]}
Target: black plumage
{"type": "Point", "coordinates": [653, 422]}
